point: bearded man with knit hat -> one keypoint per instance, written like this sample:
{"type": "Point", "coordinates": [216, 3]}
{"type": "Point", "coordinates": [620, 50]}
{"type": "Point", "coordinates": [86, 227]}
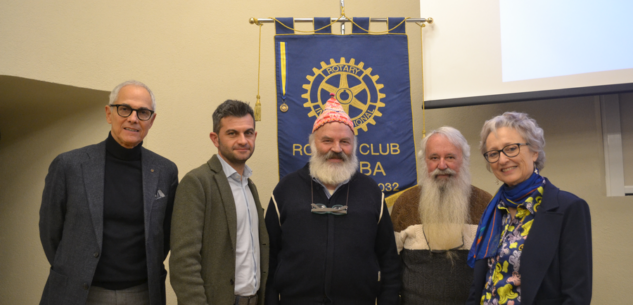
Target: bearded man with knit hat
{"type": "Point", "coordinates": [331, 237]}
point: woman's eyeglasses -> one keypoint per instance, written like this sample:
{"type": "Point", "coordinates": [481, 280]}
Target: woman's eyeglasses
{"type": "Point", "coordinates": [510, 150]}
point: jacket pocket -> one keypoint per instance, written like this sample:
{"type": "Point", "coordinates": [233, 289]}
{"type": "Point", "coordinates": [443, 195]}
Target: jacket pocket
{"type": "Point", "coordinates": [55, 289]}
{"type": "Point", "coordinates": [159, 203]}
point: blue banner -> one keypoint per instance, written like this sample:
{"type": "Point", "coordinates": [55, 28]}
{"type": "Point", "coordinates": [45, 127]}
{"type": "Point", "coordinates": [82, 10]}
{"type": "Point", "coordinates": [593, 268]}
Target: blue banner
{"type": "Point", "coordinates": [370, 76]}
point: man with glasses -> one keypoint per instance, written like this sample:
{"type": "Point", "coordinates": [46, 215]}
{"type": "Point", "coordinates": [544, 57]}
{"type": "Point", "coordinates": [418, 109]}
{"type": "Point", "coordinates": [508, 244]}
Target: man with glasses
{"type": "Point", "coordinates": [435, 222]}
{"type": "Point", "coordinates": [106, 212]}
{"type": "Point", "coordinates": [219, 241]}
{"type": "Point", "coordinates": [331, 238]}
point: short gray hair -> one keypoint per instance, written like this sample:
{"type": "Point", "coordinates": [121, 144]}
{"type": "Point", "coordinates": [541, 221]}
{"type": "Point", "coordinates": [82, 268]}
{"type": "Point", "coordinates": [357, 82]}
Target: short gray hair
{"type": "Point", "coordinates": [114, 95]}
{"type": "Point", "coordinates": [524, 125]}
{"type": "Point", "coordinates": [454, 136]}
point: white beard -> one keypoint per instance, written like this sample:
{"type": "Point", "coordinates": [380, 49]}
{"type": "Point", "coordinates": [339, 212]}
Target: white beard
{"type": "Point", "coordinates": [332, 173]}
{"type": "Point", "coordinates": [444, 207]}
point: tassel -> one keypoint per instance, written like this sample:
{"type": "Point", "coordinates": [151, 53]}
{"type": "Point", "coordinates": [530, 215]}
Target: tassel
{"type": "Point", "coordinates": [258, 105]}
{"type": "Point", "coordinates": [258, 110]}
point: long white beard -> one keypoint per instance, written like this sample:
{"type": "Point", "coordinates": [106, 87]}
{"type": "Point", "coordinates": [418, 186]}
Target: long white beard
{"type": "Point", "coordinates": [444, 207]}
{"type": "Point", "coordinates": [332, 173]}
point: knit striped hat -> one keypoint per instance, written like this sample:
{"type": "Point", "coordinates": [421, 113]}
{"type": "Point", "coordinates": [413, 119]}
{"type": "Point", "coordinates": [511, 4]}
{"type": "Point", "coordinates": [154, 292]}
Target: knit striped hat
{"type": "Point", "coordinates": [333, 112]}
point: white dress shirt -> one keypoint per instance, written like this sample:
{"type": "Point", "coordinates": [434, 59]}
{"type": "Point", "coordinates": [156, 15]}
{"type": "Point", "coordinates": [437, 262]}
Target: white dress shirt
{"type": "Point", "coordinates": [247, 273]}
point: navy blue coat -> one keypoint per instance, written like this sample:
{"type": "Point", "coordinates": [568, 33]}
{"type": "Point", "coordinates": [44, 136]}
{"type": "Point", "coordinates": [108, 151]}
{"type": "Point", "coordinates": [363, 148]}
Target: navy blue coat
{"type": "Point", "coordinates": [331, 259]}
{"type": "Point", "coordinates": [556, 263]}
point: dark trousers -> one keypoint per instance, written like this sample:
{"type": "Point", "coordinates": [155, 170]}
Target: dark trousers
{"type": "Point", "coordinates": [137, 295]}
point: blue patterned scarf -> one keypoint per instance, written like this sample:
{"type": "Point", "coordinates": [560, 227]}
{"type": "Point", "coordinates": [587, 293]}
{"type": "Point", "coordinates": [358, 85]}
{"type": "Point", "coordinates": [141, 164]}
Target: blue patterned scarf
{"type": "Point", "coordinates": [488, 235]}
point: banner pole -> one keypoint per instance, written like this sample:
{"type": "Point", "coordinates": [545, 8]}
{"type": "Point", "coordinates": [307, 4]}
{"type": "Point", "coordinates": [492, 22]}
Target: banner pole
{"type": "Point", "coordinates": [338, 19]}
{"type": "Point", "coordinates": [342, 14]}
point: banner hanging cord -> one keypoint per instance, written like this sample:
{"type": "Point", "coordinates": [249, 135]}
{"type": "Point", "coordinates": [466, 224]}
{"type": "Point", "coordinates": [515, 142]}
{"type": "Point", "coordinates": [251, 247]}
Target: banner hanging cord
{"type": "Point", "coordinates": [258, 104]}
{"type": "Point", "coordinates": [422, 25]}
{"type": "Point", "coordinates": [335, 21]}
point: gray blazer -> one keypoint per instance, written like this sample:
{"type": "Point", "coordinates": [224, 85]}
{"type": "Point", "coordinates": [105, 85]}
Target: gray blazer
{"type": "Point", "coordinates": [203, 237]}
{"type": "Point", "coordinates": [71, 221]}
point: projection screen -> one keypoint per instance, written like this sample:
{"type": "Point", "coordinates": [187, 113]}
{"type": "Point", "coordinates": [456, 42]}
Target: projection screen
{"type": "Point", "coordinates": [488, 51]}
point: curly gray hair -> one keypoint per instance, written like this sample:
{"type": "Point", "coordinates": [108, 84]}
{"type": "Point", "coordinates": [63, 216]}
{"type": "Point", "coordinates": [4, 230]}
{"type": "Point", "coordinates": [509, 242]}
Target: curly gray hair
{"type": "Point", "coordinates": [524, 125]}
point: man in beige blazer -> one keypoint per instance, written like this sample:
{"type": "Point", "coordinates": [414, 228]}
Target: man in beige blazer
{"type": "Point", "coordinates": [219, 240]}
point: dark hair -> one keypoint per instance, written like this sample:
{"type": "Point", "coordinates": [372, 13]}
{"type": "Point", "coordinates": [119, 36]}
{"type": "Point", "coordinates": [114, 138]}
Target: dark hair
{"type": "Point", "coordinates": [234, 108]}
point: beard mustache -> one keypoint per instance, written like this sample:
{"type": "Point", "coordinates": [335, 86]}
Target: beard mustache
{"type": "Point", "coordinates": [336, 155]}
{"type": "Point", "coordinates": [332, 173]}
{"type": "Point", "coordinates": [444, 206]}
{"type": "Point", "coordinates": [443, 182]}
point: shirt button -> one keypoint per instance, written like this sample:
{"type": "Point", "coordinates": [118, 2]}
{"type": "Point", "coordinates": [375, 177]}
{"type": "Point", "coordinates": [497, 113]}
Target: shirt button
{"type": "Point", "coordinates": [96, 255]}
{"type": "Point", "coordinates": [86, 286]}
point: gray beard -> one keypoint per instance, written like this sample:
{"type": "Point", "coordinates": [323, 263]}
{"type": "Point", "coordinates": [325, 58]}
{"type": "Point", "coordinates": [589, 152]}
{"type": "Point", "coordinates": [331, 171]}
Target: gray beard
{"type": "Point", "coordinates": [444, 208]}
{"type": "Point", "coordinates": [332, 173]}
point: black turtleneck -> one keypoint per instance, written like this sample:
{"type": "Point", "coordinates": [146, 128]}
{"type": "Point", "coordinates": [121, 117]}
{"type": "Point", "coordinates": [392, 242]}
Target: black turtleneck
{"type": "Point", "coordinates": [123, 261]}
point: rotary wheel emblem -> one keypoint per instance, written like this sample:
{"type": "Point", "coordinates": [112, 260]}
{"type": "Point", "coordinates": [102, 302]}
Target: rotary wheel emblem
{"type": "Point", "coordinates": [355, 88]}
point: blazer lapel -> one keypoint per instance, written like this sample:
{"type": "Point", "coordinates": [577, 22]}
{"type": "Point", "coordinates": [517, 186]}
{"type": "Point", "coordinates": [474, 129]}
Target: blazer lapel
{"type": "Point", "coordinates": [263, 235]}
{"type": "Point", "coordinates": [227, 198]}
{"type": "Point", "coordinates": [151, 172]}
{"type": "Point", "coordinates": [541, 245]}
{"type": "Point", "coordinates": [93, 171]}
{"type": "Point", "coordinates": [253, 189]}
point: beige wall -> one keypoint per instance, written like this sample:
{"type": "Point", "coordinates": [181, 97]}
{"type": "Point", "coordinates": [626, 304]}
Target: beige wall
{"type": "Point", "coordinates": [194, 55]}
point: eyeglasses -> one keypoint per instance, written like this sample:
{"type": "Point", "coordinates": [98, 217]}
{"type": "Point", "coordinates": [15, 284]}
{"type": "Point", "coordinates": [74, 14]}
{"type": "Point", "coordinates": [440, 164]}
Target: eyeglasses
{"type": "Point", "coordinates": [125, 111]}
{"type": "Point", "coordinates": [337, 209]}
{"type": "Point", "coordinates": [510, 150]}
{"type": "Point", "coordinates": [320, 208]}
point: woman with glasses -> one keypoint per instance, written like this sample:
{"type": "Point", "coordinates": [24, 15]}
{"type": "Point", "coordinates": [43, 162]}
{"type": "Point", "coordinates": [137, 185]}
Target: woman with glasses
{"type": "Point", "coordinates": [533, 243]}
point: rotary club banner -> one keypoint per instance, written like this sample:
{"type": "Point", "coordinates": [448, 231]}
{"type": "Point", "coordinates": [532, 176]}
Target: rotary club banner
{"type": "Point", "coordinates": [369, 75]}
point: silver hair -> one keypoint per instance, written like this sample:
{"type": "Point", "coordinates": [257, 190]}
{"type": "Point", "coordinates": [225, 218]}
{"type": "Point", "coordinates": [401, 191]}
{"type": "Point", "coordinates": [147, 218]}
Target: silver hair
{"type": "Point", "coordinates": [524, 125]}
{"type": "Point", "coordinates": [443, 206]}
{"type": "Point", "coordinates": [114, 95]}
{"type": "Point", "coordinates": [454, 136]}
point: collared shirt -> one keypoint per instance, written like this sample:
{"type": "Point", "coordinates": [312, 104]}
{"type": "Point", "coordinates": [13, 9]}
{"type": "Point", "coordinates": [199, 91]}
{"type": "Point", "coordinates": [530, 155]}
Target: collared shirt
{"type": "Point", "coordinates": [247, 274]}
{"type": "Point", "coordinates": [325, 189]}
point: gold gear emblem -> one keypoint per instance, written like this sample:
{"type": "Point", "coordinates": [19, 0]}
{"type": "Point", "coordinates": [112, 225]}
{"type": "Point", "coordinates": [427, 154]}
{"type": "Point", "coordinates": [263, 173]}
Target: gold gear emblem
{"type": "Point", "coordinates": [354, 87]}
